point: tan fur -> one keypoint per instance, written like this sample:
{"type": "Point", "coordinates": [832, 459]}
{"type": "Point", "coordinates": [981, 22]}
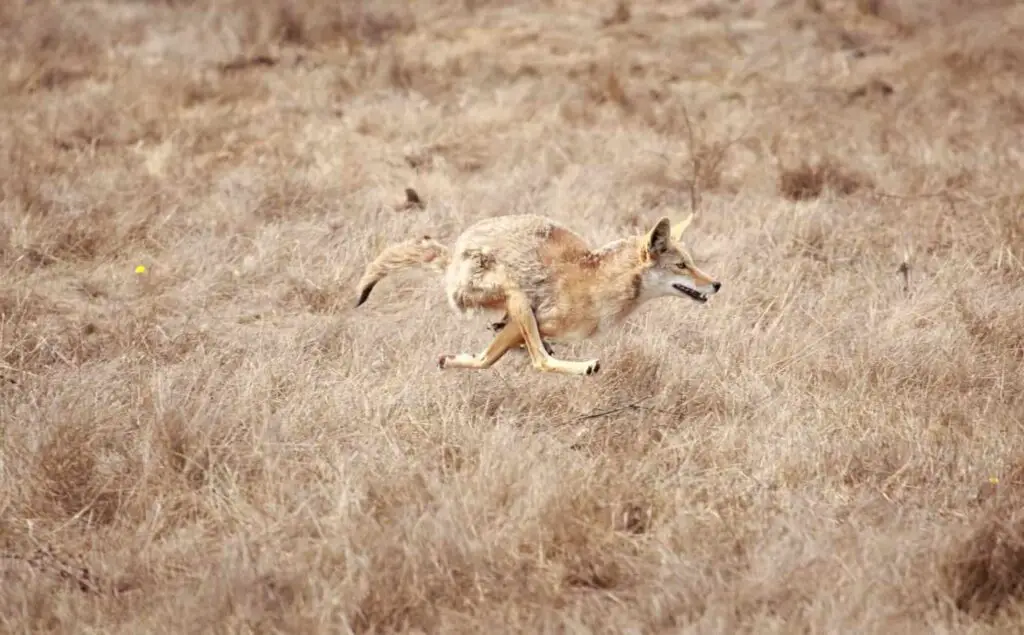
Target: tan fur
{"type": "Point", "coordinates": [419, 252]}
{"type": "Point", "coordinates": [550, 284]}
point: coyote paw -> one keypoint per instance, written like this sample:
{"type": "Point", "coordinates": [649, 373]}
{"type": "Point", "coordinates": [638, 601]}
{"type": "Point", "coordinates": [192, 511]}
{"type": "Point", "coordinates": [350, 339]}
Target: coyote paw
{"type": "Point", "coordinates": [593, 367]}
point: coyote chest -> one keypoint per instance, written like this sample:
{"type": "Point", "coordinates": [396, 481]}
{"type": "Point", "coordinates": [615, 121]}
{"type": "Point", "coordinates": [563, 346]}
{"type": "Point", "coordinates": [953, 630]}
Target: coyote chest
{"type": "Point", "coordinates": [581, 318]}
{"type": "Point", "coordinates": [569, 331]}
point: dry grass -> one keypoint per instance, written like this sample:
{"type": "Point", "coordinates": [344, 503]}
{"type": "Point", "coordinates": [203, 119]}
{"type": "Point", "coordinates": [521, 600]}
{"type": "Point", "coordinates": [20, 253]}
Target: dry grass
{"type": "Point", "coordinates": [224, 444]}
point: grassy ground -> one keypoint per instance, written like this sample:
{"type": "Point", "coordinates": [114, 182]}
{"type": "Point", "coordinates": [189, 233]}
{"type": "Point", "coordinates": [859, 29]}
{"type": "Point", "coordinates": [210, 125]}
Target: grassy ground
{"type": "Point", "coordinates": [224, 443]}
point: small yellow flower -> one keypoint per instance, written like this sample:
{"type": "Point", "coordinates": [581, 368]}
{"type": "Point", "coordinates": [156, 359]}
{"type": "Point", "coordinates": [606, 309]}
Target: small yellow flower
{"type": "Point", "coordinates": [993, 480]}
{"type": "Point", "coordinates": [140, 269]}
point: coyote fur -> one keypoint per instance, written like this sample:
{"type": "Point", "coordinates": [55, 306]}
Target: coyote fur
{"type": "Point", "coordinates": [549, 283]}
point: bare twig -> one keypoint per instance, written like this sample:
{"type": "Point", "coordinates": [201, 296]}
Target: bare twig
{"type": "Point", "coordinates": [704, 160]}
{"type": "Point", "coordinates": [611, 411]}
{"type": "Point", "coordinates": [695, 161]}
{"type": "Point", "coordinates": [945, 195]}
{"type": "Point", "coordinates": [44, 559]}
{"type": "Point", "coordinates": [634, 405]}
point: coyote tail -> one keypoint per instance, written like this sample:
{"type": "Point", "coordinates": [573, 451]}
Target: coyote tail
{"type": "Point", "coordinates": [417, 252]}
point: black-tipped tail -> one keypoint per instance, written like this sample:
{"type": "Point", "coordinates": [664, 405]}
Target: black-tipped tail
{"type": "Point", "coordinates": [365, 293]}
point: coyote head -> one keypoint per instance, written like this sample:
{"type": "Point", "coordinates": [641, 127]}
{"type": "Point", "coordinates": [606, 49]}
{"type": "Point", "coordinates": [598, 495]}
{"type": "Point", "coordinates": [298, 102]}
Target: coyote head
{"type": "Point", "coordinates": [668, 268]}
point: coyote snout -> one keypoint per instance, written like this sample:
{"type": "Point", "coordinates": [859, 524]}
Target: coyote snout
{"type": "Point", "coordinates": [548, 282]}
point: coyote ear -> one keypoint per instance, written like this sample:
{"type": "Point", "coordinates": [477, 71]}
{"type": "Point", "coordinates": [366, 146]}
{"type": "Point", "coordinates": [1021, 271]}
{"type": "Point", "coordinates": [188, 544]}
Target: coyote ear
{"type": "Point", "coordinates": [680, 227]}
{"type": "Point", "coordinates": [658, 238]}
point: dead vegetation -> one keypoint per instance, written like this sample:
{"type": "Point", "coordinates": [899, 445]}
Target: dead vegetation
{"type": "Point", "coordinates": [809, 181]}
{"type": "Point", "coordinates": [199, 433]}
{"type": "Point", "coordinates": [984, 569]}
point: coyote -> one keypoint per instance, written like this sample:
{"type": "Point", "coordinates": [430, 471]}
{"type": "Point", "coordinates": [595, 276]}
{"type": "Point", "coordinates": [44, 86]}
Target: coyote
{"type": "Point", "coordinates": [549, 283]}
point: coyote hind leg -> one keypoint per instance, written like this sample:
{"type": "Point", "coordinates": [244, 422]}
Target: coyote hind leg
{"type": "Point", "coordinates": [506, 338]}
{"type": "Point", "coordinates": [521, 316]}
{"type": "Point", "coordinates": [500, 324]}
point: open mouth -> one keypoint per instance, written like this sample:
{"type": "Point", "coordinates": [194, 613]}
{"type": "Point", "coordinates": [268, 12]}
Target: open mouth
{"type": "Point", "coordinates": [696, 295]}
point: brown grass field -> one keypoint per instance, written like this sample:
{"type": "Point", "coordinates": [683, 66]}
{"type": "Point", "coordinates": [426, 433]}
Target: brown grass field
{"type": "Point", "coordinates": [223, 443]}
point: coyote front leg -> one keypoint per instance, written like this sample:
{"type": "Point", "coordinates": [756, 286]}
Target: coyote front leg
{"type": "Point", "coordinates": [521, 315]}
{"type": "Point", "coordinates": [500, 324]}
{"type": "Point", "coordinates": [506, 338]}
